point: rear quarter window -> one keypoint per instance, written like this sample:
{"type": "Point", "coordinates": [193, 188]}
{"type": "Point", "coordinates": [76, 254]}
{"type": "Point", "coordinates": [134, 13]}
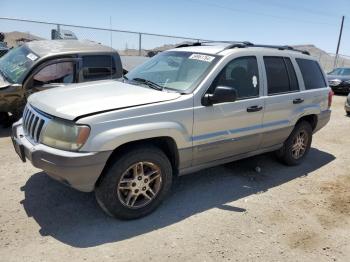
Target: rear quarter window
{"type": "Point", "coordinates": [312, 74]}
{"type": "Point", "coordinates": [97, 67]}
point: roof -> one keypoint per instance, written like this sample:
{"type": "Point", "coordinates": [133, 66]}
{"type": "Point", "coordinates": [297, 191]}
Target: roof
{"type": "Point", "coordinates": [53, 47]}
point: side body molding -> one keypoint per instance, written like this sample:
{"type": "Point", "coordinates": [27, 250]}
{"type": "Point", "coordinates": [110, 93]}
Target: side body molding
{"type": "Point", "coordinates": [113, 138]}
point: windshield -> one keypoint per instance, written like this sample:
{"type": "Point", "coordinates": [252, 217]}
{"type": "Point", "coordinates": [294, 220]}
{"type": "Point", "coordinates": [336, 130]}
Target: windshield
{"type": "Point", "coordinates": [178, 71]}
{"type": "Point", "coordinates": [340, 71]}
{"type": "Point", "coordinates": [16, 63]}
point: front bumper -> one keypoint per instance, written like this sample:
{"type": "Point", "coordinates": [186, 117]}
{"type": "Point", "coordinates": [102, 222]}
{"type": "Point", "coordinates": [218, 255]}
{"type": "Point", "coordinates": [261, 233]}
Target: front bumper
{"type": "Point", "coordinates": [76, 169]}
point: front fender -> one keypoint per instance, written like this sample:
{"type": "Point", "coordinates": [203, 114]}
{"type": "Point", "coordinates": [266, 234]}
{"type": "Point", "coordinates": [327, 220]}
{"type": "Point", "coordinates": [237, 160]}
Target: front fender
{"type": "Point", "coordinates": [115, 137]}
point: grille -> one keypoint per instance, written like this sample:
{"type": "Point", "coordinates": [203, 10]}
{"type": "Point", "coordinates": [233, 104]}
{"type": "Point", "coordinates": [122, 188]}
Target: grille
{"type": "Point", "coordinates": [33, 123]}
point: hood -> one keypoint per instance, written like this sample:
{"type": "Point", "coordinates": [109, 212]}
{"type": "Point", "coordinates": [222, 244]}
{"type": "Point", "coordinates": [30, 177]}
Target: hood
{"type": "Point", "coordinates": [77, 100]}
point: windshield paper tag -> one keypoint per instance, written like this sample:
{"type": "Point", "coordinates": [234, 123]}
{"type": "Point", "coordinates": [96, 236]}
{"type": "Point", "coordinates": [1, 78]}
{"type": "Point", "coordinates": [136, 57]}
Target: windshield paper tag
{"type": "Point", "coordinates": [205, 58]}
{"type": "Point", "coordinates": [32, 57]}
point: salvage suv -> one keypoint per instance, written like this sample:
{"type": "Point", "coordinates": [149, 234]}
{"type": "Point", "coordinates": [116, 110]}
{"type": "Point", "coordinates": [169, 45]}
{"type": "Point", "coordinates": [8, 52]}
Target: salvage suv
{"type": "Point", "coordinates": [41, 65]}
{"type": "Point", "coordinates": [183, 110]}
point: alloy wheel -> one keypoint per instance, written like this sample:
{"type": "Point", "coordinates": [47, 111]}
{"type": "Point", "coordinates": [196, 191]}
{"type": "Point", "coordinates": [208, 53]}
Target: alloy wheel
{"type": "Point", "coordinates": [139, 184]}
{"type": "Point", "coordinates": [299, 144]}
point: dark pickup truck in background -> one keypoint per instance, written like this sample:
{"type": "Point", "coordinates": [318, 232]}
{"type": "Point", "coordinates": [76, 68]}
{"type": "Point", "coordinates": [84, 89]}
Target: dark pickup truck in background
{"type": "Point", "coordinates": [41, 65]}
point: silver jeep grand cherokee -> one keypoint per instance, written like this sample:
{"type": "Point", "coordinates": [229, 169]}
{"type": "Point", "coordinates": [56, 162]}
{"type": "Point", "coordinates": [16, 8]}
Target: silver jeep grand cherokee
{"type": "Point", "coordinates": [193, 107]}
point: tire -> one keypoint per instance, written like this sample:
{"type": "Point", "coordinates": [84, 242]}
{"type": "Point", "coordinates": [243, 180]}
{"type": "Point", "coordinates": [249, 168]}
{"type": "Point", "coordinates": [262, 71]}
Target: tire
{"type": "Point", "coordinates": [286, 154]}
{"type": "Point", "coordinates": [348, 113]}
{"type": "Point", "coordinates": [112, 193]}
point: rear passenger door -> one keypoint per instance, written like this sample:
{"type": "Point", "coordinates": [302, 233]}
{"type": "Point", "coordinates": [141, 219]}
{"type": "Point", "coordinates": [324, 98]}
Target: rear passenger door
{"type": "Point", "coordinates": [283, 99]}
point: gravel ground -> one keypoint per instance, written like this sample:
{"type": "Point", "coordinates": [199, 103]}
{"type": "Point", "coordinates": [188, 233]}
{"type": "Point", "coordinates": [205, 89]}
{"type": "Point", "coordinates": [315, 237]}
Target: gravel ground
{"type": "Point", "coordinates": [226, 213]}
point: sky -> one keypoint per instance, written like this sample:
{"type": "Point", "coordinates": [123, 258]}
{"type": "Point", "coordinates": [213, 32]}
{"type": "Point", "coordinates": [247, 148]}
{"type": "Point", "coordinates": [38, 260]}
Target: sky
{"type": "Point", "coordinates": [259, 21]}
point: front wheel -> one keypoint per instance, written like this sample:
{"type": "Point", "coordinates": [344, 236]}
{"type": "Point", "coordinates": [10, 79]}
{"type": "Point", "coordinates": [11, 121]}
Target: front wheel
{"type": "Point", "coordinates": [297, 145]}
{"type": "Point", "coordinates": [135, 184]}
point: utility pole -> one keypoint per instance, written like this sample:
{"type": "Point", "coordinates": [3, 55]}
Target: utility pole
{"type": "Point", "coordinates": [340, 34]}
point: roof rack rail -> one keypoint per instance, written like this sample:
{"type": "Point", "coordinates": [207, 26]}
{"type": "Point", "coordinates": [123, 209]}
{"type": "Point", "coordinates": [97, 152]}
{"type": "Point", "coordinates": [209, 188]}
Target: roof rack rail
{"type": "Point", "coordinates": [284, 47]}
{"type": "Point", "coordinates": [244, 44]}
{"type": "Point", "coordinates": [189, 44]}
{"type": "Point", "coordinates": [231, 43]}
{"type": "Point", "coordinates": [279, 47]}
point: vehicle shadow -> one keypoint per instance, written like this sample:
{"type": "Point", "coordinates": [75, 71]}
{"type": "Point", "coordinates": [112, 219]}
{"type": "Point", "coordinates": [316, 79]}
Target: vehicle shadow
{"type": "Point", "coordinates": [74, 218]}
{"type": "Point", "coordinates": [5, 132]}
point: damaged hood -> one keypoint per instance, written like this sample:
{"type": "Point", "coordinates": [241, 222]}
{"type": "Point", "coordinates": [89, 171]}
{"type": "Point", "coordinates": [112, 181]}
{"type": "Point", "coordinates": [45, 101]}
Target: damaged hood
{"type": "Point", "coordinates": [82, 99]}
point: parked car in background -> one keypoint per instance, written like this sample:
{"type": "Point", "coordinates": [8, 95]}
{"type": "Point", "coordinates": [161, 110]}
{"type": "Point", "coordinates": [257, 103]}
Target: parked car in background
{"type": "Point", "coordinates": [339, 80]}
{"type": "Point", "coordinates": [347, 105]}
{"type": "Point", "coordinates": [184, 110]}
{"type": "Point", "coordinates": [41, 65]}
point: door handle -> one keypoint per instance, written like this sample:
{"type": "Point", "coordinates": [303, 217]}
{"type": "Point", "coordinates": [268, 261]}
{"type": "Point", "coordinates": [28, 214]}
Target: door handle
{"type": "Point", "coordinates": [298, 101]}
{"type": "Point", "coordinates": [254, 109]}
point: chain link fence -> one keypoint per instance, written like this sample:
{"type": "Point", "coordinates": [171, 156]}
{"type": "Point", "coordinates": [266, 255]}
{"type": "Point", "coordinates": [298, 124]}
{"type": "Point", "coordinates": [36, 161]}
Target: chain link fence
{"type": "Point", "coordinates": [128, 43]}
{"type": "Point", "coordinates": [18, 31]}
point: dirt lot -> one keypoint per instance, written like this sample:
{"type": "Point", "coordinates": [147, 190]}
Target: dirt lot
{"type": "Point", "coordinates": [228, 213]}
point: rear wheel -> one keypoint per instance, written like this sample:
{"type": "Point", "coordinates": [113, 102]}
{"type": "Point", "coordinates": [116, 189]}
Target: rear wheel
{"type": "Point", "coordinates": [297, 145]}
{"type": "Point", "coordinates": [135, 184]}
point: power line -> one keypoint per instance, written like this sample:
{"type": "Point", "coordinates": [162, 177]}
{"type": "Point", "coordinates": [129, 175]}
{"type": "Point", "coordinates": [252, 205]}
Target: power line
{"type": "Point", "coordinates": [295, 7]}
{"type": "Point", "coordinates": [227, 8]}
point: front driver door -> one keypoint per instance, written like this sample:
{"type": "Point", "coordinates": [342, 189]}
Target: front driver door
{"type": "Point", "coordinates": [228, 129]}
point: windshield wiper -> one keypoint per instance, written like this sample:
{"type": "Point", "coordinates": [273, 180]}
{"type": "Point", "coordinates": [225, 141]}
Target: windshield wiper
{"type": "Point", "coordinates": [149, 83]}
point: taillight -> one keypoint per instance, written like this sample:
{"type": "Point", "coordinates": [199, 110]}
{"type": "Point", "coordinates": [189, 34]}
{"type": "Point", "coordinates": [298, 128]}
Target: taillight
{"type": "Point", "coordinates": [330, 98]}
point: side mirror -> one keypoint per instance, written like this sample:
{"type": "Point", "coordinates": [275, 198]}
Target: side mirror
{"type": "Point", "coordinates": [221, 94]}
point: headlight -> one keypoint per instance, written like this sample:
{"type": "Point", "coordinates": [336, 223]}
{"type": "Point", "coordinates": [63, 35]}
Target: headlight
{"type": "Point", "coordinates": [64, 135]}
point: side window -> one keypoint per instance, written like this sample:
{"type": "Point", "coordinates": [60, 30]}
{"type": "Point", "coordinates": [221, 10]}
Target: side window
{"type": "Point", "coordinates": [281, 77]}
{"type": "Point", "coordinates": [55, 73]}
{"type": "Point", "coordinates": [293, 81]}
{"type": "Point", "coordinates": [97, 67]}
{"type": "Point", "coordinates": [242, 74]}
{"type": "Point", "coordinates": [312, 74]}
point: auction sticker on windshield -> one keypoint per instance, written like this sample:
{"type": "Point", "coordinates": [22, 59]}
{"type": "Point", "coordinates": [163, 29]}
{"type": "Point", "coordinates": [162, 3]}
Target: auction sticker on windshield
{"type": "Point", "coordinates": [205, 58]}
{"type": "Point", "coordinates": [32, 57]}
